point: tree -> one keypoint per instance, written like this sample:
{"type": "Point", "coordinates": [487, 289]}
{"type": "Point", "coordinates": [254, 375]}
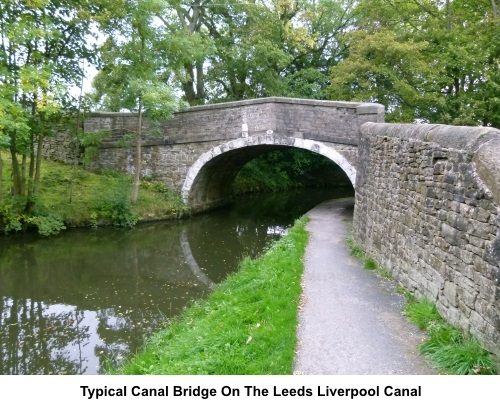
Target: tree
{"type": "Point", "coordinates": [133, 76]}
{"type": "Point", "coordinates": [235, 49]}
{"type": "Point", "coordinates": [276, 48]}
{"type": "Point", "coordinates": [187, 45]}
{"type": "Point", "coordinates": [42, 43]}
{"type": "Point", "coordinates": [381, 69]}
{"type": "Point", "coordinates": [449, 73]}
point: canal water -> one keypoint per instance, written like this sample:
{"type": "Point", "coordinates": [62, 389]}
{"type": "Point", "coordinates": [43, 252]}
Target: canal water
{"type": "Point", "coordinates": [73, 303]}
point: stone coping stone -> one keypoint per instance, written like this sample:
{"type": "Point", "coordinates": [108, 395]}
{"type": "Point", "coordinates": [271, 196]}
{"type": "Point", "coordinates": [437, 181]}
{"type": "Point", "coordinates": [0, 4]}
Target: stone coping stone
{"type": "Point", "coordinates": [483, 144]}
{"type": "Point", "coordinates": [447, 136]}
{"type": "Point", "coordinates": [361, 108]}
{"type": "Point", "coordinates": [487, 161]}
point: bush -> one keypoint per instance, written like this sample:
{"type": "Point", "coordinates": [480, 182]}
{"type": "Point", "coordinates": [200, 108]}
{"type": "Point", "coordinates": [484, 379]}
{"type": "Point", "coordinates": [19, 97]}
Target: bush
{"type": "Point", "coordinates": [11, 216]}
{"type": "Point", "coordinates": [47, 225]}
{"type": "Point", "coordinates": [112, 203]}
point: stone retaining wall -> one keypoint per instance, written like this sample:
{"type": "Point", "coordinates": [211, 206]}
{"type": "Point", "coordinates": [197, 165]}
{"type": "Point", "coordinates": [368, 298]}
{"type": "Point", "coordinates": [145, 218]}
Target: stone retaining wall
{"type": "Point", "coordinates": [428, 210]}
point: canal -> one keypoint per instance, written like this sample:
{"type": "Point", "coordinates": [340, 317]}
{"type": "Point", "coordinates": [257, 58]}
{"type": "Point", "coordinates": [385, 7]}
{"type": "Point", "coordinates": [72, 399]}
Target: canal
{"type": "Point", "coordinates": [73, 303]}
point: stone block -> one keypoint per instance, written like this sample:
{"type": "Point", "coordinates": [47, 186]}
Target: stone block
{"type": "Point", "coordinates": [450, 293]}
{"type": "Point", "coordinates": [450, 234]}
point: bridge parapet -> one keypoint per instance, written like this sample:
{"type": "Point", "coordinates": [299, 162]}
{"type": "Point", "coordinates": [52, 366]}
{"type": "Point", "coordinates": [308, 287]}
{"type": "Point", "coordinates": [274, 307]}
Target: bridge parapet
{"type": "Point", "coordinates": [335, 122]}
{"type": "Point", "coordinates": [331, 121]}
{"type": "Point", "coordinates": [428, 210]}
{"type": "Point", "coordinates": [480, 143]}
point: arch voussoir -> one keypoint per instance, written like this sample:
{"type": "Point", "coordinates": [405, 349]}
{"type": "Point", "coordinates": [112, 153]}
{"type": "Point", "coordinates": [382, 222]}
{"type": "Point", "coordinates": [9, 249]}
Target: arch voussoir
{"type": "Point", "coordinates": [196, 173]}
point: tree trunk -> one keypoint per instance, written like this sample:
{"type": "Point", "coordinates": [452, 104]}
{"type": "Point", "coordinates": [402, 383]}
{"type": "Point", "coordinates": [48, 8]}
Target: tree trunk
{"type": "Point", "coordinates": [76, 139]}
{"type": "Point", "coordinates": [138, 157]}
{"type": "Point", "coordinates": [38, 166]}
{"type": "Point", "coordinates": [23, 173]}
{"type": "Point", "coordinates": [494, 9]}
{"type": "Point", "coordinates": [34, 181]}
{"type": "Point", "coordinates": [1, 174]}
{"type": "Point", "coordinates": [16, 171]}
{"type": "Point", "coordinates": [200, 85]}
{"type": "Point", "coordinates": [31, 173]}
{"type": "Point", "coordinates": [448, 16]}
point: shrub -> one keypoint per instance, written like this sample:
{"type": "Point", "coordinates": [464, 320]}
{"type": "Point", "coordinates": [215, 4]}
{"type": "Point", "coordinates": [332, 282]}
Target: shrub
{"type": "Point", "coordinates": [47, 224]}
{"type": "Point", "coordinates": [112, 203]}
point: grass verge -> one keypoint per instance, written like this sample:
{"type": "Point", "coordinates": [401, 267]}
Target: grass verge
{"type": "Point", "coordinates": [445, 346]}
{"type": "Point", "coordinates": [368, 263]}
{"type": "Point", "coordinates": [246, 326]}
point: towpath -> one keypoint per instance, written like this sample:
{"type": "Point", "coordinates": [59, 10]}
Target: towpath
{"type": "Point", "coordinates": [351, 321]}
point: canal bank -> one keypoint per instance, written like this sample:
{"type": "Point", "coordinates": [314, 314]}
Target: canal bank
{"type": "Point", "coordinates": [350, 320]}
{"type": "Point", "coordinates": [76, 302]}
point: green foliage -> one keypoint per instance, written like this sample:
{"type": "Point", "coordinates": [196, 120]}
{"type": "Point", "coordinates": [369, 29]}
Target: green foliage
{"type": "Point", "coordinates": [91, 141]}
{"type": "Point", "coordinates": [14, 218]}
{"type": "Point", "coordinates": [368, 263]}
{"type": "Point", "coordinates": [99, 199]}
{"type": "Point", "coordinates": [93, 138]}
{"type": "Point", "coordinates": [162, 189]}
{"type": "Point", "coordinates": [43, 46]}
{"type": "Point", "coordinates": [449, 350]}
{"type": "Point", "coordinates": [287, 169]}
{"type": "Point", "coordinates": [423, 61]}
{"type": "Point", "coordinates": [133, 75]}
{"type": "Point", "coordinates": [157, 186]}
{"type": "Point", "coordinates": [255, 311]}
{"type": "Point", "coordinates": [236, 50]}
{"type": "Point", "coordinates": [55, 177]}
{"type": "Point", "coordinates": [112, 202]}
{"type": "Point", "coordinates": [422, 313]}
{"type": "Point", "coordinates": [447, 347]}
{"type": "Point", "coordinates": [355, 250]}
{"type": "Point", "coordinates": [47, 225]}
{"type": "Point", "coordinates": [11, 216]}
{"type": "Point", "coordinates": [381, 68]}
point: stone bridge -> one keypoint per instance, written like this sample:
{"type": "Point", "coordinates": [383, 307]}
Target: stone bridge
{"type": "Point", "coordinates": [200, 151]}
{"type": "Point", "coordinates": [427, 204]}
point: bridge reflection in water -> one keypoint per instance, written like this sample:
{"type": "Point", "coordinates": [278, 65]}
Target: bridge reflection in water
{"type": "Point", "coordinates": [70, 303]}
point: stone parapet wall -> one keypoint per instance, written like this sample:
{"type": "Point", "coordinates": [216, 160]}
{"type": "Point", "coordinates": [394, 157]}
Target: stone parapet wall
{"type": "Point", "coordinates": [428, 210]}
{"type": "Point", "coordinates": [327, 121]}
{"type": "Point", "coordinates": [171, 147]}
{"type": "Point", "coordinates": [61, 148]}
{"type": "Point", "coordinates": [330, 121]}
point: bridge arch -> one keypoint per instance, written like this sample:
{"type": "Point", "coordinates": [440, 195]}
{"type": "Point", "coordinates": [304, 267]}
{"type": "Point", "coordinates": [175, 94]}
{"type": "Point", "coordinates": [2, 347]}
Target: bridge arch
{"type": "Point", "coordinates": [208, 180]}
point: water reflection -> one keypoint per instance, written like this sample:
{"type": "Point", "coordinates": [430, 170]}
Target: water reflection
{"type": "Point", "coordinates": [72, 303]}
